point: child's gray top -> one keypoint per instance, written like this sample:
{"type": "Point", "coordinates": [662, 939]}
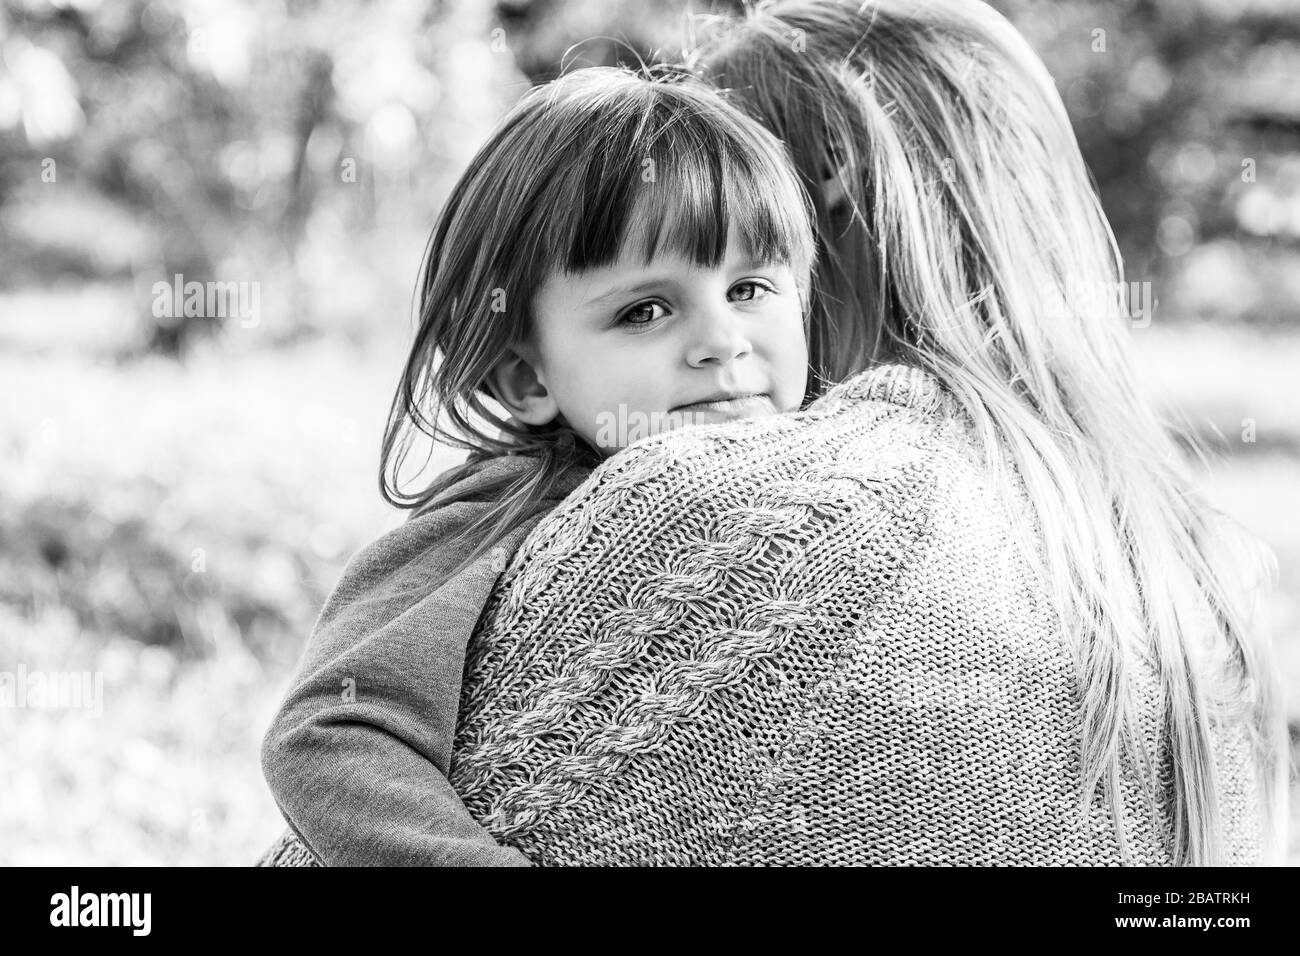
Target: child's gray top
{"type": "Point", "coordinates": [358, 754]}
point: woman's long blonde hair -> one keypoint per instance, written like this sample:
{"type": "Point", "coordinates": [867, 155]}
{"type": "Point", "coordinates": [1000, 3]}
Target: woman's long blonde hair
{"type": "Point", "coordinates": [970, 242]}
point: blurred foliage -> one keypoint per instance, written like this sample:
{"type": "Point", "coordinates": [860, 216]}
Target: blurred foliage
{"type": "Point", "coordinates": [188, 495]}
{"type": "Point", "coordinates": [1189, 118]}
{"type": "Point", "coordinates": [308, 145]}
{"type": "Point", "coordinates": [176, 536]}
{"type": "Point", "coordinates": [236, 141]}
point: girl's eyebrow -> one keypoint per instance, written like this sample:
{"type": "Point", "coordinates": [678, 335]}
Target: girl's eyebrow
{"type": "Point", "coordinates": [646, 285]}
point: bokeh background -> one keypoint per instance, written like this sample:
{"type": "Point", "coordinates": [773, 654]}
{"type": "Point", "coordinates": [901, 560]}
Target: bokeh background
{"type": "Point", "coordinates": [177, 495]}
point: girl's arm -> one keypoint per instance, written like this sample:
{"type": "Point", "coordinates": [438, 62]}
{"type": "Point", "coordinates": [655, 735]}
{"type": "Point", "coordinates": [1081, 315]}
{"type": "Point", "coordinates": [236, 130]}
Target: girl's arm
{"type": "Point", "coordinates": [361, 784]}
{"type": "Point", "coordinates": [358, 755]}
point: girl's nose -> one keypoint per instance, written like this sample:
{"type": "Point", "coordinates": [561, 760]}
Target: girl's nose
{"type": "Point", "coordinates": [719, 337]}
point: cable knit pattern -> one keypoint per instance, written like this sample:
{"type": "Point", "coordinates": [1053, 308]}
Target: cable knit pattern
{"type": "Point", "coordinates": [287, 850]}
{"type": "Point", "coordinates": [803, 639]}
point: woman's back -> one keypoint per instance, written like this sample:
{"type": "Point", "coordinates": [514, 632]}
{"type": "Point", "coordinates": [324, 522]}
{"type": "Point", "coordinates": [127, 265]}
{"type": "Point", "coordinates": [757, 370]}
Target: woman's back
{"type": "Point", "coordinates": [810, 639]}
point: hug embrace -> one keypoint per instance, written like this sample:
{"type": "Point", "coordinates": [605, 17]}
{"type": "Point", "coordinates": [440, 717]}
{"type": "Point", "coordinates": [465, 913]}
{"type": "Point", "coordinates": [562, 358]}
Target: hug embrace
{"type": "Point", "coordinates": [913, 575]}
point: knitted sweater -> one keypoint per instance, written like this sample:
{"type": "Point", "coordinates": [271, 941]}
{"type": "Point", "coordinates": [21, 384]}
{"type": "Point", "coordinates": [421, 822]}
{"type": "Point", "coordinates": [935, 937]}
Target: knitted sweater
{"type": "Point", "coordinates": [804, 639]}
{"type": "Point", "coordinates": [801, 639]}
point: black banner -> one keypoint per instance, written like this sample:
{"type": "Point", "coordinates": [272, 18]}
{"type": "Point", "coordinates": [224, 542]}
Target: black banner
{"type": "Point", "coordinates": [661, 909]}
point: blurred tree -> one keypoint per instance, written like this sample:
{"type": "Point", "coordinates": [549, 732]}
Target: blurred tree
{"type": "Point", "coordinates": [135, 146]}
{"type": "Point", "coordinates": [216, 128]}
{"type": "Point", "coordinates": [1169, 99]}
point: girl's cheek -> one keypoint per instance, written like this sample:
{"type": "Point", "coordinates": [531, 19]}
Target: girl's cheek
{"type": "Point", "coordinates": [794, 325]}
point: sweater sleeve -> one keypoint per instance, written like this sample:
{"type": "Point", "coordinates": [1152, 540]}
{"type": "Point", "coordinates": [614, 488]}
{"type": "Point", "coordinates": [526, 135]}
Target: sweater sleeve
{"type": "Point", "coordinates": [358, 755]}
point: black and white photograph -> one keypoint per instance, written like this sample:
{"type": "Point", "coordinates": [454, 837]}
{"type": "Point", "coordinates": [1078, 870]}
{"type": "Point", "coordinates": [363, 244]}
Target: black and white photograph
{"type": "Point", "coordinates": [650, 433]}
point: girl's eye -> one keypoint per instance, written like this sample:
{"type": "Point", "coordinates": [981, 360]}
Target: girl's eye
{"type": "Point", "coordinates": [749, 290]}
{"type": "Point", "coordinates": [643, 313]}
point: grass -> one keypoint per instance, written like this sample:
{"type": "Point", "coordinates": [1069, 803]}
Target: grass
{"type": "Point", "coordinates": [174, 528]}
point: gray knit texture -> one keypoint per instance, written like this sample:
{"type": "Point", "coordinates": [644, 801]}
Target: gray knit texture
{"type": "Point", "coordinates": [804, 639]}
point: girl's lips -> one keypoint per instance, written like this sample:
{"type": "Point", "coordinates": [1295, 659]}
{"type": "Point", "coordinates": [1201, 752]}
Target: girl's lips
{"type": "Point", "coordinates": [746, 407]}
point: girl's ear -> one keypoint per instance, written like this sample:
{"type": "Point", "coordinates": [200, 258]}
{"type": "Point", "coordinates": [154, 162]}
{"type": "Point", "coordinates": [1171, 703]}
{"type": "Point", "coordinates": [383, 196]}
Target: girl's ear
{"type": "Point", "coordinates": [516, 384]}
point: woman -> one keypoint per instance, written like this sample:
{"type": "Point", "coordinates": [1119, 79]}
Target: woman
{"type": "Point", "coordinates": [963, 237]}
{"type": "Point", "coordinates": [1049, 654]}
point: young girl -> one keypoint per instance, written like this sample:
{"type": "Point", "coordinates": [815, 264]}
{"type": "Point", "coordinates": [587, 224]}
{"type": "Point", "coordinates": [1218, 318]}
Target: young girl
{"type": "Point", "coordinates": [625, 254]}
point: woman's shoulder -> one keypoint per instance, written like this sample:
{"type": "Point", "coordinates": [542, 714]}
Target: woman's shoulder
{"type": "Point", "coordinates": [884, 448]}
{"type": "Point", "coordinates": [907, 412]}
{"type": "Point", "coordinates": [888, 425]}
{"type": "Point", "coordinates": [885, 461]}
{"type": "Point", "coordinates": [905, 386]}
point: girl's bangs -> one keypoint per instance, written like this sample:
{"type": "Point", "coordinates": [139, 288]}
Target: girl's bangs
{"type": "Point", "coordinates": [680, 191]}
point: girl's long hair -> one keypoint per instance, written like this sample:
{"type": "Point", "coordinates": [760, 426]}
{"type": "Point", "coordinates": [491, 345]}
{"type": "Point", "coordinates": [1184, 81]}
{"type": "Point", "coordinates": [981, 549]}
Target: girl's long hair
{"type": "Point", "coordinates": [582, 167]}
{"type": "Point", "coordinates": [970, 242]}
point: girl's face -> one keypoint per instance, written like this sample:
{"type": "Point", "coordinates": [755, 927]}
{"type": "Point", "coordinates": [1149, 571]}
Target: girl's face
{"type": "Point", "coordinates": [630, 349]}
